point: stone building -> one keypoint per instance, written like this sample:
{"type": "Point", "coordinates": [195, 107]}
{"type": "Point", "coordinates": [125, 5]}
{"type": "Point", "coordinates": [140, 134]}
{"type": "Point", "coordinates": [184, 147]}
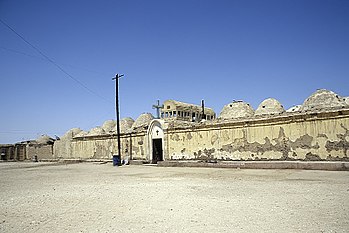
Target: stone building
{"type": "Point", "coordinates": [173, 109]}
{"type": "Point", "coordinates": [316, 130]}
{"type": "Point", "coordinates": [41, 148]}
{"type": "Point", "coordinates": [15, 152]}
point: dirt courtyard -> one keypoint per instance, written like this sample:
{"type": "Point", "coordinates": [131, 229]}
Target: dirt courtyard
{"type": "Point", "coordinates": [92, 197]}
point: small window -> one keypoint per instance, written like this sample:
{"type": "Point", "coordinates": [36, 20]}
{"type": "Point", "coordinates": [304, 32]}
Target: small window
{"type": "Point", "coordinates": [168, 106]}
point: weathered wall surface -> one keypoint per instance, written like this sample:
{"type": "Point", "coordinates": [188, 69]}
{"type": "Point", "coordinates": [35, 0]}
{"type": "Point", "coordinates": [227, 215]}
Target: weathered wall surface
{"type": "Point", "coordinates": [41, 151]}
{"type": "Point", "coordinates": [322, 136]}
{"type": "Point", "coordinates": [94, 148]}
{"type": "Point", "coordinates": [102, 147]}
{"type": "Point", "coordinates": [13, 152]}
{"type": "Point", "coordinates": [62, 149]}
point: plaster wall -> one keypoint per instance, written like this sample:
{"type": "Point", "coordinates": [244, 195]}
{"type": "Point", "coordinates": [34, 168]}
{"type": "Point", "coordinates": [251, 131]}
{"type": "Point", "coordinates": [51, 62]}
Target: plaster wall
{"type": "Point", "coordinates": [132, 146]}
{"type": "Point", "coordinates": [63, 149]}
{"type": "Point", "coordinates": [308, 137]}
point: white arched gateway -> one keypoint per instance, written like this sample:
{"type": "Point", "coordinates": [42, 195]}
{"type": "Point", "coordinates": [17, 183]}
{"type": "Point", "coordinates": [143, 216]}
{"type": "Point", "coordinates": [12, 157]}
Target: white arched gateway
{"type": "Point", "coordinates": [156, 141]}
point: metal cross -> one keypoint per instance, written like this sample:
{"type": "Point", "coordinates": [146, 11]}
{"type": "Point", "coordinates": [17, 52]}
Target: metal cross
{"type": "Point", "coordinates": [158, 107]}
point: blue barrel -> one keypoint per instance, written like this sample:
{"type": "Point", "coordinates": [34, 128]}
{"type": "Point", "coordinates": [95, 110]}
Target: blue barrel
{"type": "Point", "coordinates": [116, 160]}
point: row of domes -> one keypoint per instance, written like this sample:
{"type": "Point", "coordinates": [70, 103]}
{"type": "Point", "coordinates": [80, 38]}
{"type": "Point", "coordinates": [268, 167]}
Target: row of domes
{"type": "Point", "coordinates": [320, 100]}
{"type": "Point", "coordinates": [241, 109]}
{"type": "Point", "coordinates": [109, 127]}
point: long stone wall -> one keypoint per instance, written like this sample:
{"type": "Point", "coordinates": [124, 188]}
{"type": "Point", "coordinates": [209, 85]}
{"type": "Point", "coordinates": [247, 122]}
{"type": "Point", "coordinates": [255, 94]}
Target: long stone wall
{"type": "Point", "coordinates": [316, 136]}
{"type": "Point", "coordinates": [294, 136]}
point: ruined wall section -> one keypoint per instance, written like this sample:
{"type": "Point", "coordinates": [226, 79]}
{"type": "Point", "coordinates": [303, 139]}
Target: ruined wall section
{"type": "Point", "coordinates": [62, 148]}
{"type": "Point", "coordinates": [104, 147]}
{"type": "Point", "coordinates": [94, 147]}
{"type": "Point", "coordinates": [41, 151]}
{"type": "Point", "coordinates": [318, 136]}
{"type": "Point", "coordinates": [139, 149]}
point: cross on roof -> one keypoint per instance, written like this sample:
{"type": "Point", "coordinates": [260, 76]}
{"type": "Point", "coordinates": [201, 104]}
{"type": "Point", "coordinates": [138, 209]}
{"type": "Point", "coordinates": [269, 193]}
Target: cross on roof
{"type": "Point", "coordinates": [158, 107]}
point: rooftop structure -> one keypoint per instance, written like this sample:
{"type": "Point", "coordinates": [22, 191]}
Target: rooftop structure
{"type": "Point", "coordinates": [188, 112]}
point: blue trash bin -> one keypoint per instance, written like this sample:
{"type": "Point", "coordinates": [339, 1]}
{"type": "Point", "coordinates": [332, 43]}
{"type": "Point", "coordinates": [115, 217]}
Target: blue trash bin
{"type": "Point", "coordinates": [116, 160]}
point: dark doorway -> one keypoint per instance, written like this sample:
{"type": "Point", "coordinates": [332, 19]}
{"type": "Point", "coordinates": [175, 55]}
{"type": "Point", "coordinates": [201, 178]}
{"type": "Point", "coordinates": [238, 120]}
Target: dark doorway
{"type": "Point", "coordinates": [157, 150]}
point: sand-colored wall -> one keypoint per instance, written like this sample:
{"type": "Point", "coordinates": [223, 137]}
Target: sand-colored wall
{"type": "Point", "coordinates": [41, 151]}
{"type": "Point", "coordinates": [102, 147]}
{"type": "Point", "coordinates": [322, 136]}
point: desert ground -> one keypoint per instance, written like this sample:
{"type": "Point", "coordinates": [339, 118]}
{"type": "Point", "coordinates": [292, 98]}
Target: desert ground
{"type": "Point", "coordinates": [97, 197]}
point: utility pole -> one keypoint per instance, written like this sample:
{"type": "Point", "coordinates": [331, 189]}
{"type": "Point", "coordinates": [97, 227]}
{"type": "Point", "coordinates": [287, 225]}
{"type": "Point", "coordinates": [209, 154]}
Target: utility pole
{"type": "Point", "coordinates": [117, 76]}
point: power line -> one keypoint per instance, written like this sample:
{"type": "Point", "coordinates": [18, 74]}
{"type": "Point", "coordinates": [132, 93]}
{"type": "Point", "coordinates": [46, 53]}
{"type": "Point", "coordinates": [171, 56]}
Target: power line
{"type": "Point", "coordinates": [54, 63]}
{"type": "Point", "coordinates": [43, 59]}
{"type": "Point", "coordinates": [22, 53]}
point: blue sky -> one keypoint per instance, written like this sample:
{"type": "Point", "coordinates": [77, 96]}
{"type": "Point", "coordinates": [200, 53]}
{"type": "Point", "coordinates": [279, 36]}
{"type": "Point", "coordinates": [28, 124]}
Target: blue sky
{"type": "Point", "coordinates": [186, 50]}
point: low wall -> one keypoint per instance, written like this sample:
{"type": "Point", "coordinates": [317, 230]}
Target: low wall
{"type": "Point", "coordinates": [133, 146]}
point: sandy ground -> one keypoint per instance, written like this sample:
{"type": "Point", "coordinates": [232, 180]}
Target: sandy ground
{"type": "Point", "coordinates": [101, 198]}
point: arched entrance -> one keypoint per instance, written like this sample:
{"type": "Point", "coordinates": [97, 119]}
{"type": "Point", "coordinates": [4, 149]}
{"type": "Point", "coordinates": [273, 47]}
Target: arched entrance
{"type": "Point", "coordinates": [156, 141]}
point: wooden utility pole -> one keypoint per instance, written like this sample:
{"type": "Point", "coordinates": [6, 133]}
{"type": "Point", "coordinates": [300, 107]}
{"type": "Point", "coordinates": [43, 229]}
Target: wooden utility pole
{"type": "Point", "coordinates": [117, 76]}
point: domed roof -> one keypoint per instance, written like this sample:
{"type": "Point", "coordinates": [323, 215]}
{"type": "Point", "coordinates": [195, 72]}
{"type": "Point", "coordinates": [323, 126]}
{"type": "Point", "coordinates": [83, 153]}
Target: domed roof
{"type": "Point", "coordinates": [143, 119]}
{"type": "Point", "coordinates": [269, 106]}
{"type": "Point", "coordinates": [96, 131]}
{"type": "Point", "coordinates": [323, 99]}
{"type": "Point", "coordinates": [109, 126]}
{"type": "Point", "coordinates": [346, 100]}
{"type": "Point", "coordinates": [126, 124]}
{"type": "Point", "coordinates": [295, 108]}
{"type": "Point", "coordinates": [236, 109]}
{"type": "Point", "coordinates": [71, 133]}
{"type": "Point", "coordinates": [81, 134]}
